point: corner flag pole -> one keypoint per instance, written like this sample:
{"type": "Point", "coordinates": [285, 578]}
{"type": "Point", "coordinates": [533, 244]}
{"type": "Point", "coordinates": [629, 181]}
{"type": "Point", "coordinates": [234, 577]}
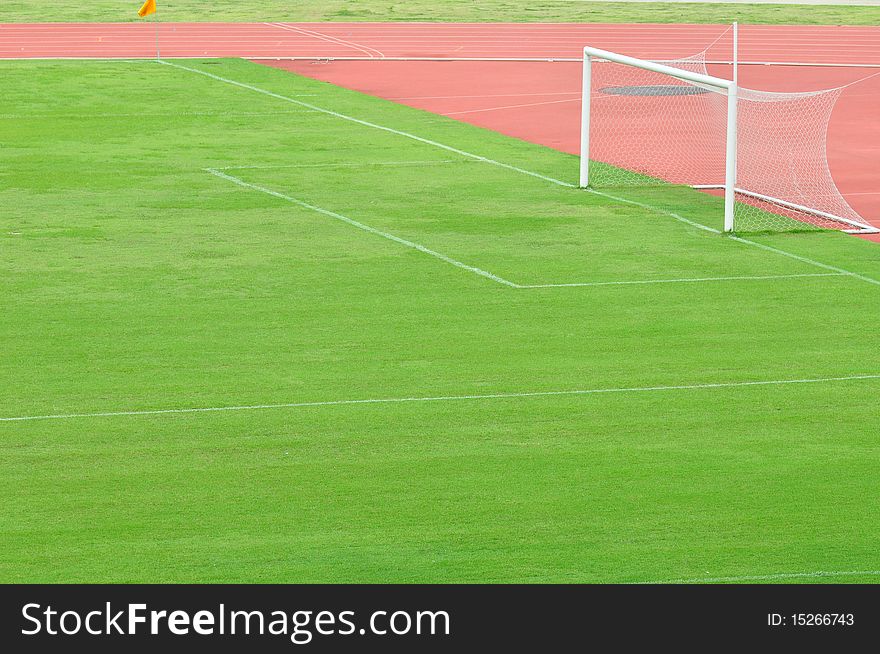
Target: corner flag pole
{"type": "Point", "coordinates": [149, 7]}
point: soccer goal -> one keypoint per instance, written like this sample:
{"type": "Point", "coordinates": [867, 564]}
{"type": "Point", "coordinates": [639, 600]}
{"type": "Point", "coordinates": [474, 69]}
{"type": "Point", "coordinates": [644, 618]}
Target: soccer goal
{"type": "Point", "coordinates": [646, 123]}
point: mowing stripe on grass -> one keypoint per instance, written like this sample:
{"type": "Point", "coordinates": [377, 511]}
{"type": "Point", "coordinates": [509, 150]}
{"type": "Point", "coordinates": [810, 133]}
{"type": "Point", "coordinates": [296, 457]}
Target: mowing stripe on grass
{"type": "Point", "coordinates": [364, 164]}
{"type": "Point", "coordinates": [509, 106]}
{"type": "Point", "coordinates": [367, 123]}
{"type": "Point", "coordinates": [773, 577]}
{"type": "Point", "coordinates": [154, 114]}
{"type": "Point", "coordinates": [500, 164]}
{"type": "Point", "coordinates": [359, 225]}
{"type": "Point", "coordinates": [447, 398]}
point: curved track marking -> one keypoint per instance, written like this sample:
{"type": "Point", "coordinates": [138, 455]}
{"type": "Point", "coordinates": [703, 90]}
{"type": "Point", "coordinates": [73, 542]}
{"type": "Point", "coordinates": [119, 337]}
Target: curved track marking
{"type": "Point", "coordinates": [371, 52]}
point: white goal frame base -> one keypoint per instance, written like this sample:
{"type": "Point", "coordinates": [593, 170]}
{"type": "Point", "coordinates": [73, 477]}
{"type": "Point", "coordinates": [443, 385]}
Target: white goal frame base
{"type": "Point", "coordinates": [855, 227]}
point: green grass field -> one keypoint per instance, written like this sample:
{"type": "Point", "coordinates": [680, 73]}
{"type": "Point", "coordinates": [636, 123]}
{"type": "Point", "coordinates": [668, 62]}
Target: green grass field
{"type": "Point", "coordinates": [133, 279]}
{"type": "Point", "coordinates": [34, 11]}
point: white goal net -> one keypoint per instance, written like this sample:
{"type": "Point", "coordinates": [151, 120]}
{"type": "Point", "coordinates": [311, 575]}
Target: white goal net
{"type": "Point", "coordinates": [648, 123]}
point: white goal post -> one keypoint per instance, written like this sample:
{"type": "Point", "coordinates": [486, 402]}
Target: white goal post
{"type": "Point", "coordinates": [784, 137]}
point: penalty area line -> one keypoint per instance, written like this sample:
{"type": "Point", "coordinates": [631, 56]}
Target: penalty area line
{"type": "Point", "coordinates": [218, 172]}
{"type": "Point", "coordinates": [450, 398]}
{"type": "Point", "coordinates": [364, 164]}
{"type": "Point", "coordinates": [506, 166]}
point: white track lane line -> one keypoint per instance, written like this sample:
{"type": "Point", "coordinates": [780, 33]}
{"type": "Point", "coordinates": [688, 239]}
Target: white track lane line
{"type": "Point", "coordinates": [489, 95]}
{"type": "Point", "coordinates": [561, 59]}
{"type": "Point", "coordinates": [330, 58]}
{"type": "Point", "coordinates": [517, 169]}
{"type": "Point", "coordinates": [449, 398]}
{"type": "Point", "coordinates": [510, 106]}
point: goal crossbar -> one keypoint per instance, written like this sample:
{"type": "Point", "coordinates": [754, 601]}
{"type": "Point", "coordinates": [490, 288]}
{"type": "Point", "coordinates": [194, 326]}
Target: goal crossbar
{"type": "Point", "coordinates": [658, 67]}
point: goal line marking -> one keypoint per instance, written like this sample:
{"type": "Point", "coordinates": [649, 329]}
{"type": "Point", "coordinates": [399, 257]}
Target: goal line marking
{"type": "Point", "coordinates": [771, 577]}
{"type": "Point", "coordinates": [501, 164]}
{"type": "Point", "coordinates": [217, 172]}
{"type": "Point", "coordinates": [449, 398]}
{"type": "Point", "coordinates": [154, 114]}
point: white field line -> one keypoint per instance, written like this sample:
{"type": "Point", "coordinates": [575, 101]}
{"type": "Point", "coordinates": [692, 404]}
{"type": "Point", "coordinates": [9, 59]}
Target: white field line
{"type": "Point", "coordinates": [772, 577]}
{"type": "Point", "coordinates": [448, 398]}
{"type": "Point", "coordinates": [683, 280]}
{"type": "Point", "coordinates": [362, 226]}
{"type": "Point", "coordinates": [365, 164]}
{"type": "Point", "coordinates": [370, 52]}
{"type": "Point", "coordinates": [510, 106]}
{"type": "Point", "coordinates": [500, 164]}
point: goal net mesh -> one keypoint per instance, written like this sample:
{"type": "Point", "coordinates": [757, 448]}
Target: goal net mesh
{"type": "Point", "coordinates": [648, 128]}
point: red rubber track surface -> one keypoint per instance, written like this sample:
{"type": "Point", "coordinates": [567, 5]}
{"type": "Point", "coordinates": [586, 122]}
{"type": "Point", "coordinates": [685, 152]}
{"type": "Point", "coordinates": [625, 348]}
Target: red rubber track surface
{"type": "Point", "coordinates": [540, 102]}
{"type": "Point", "coordinates": [534, 101]}
{"type": "Point", "coordinates": [782, 43]}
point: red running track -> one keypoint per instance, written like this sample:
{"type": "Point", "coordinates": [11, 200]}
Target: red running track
{"type": "Point", "coordinates": [533, 101]}
{"type": "Point", "coordinates": [540, 102]}
{"type": "Point", "coordinates": [758, 43]}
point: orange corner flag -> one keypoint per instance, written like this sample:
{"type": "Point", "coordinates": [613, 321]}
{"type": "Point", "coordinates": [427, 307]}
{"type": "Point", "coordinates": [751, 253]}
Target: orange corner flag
{"type": "Point", "coordinates": [148, 8]}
